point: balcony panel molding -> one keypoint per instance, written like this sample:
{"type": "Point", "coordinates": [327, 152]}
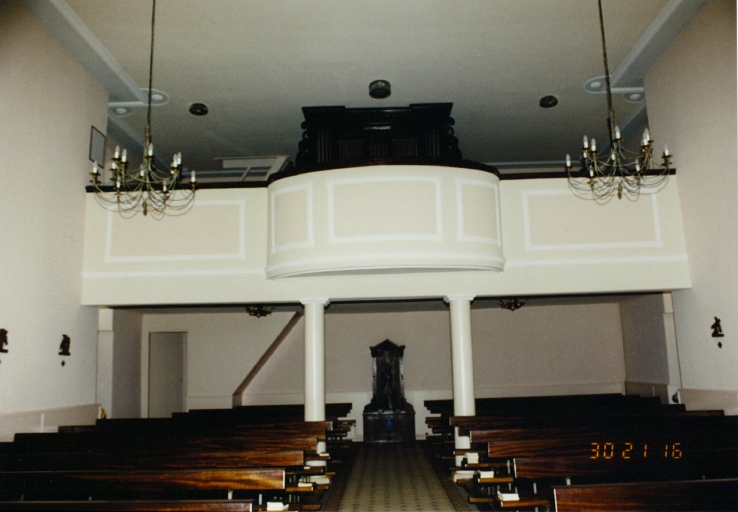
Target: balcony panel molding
{"type": "Point", "coordinates": [385, 219]}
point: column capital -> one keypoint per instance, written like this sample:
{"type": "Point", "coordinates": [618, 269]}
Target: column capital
{"type": "Point", "coordinates": [449, 298]}
{"type": "Point", "coordinates": [316, 300]}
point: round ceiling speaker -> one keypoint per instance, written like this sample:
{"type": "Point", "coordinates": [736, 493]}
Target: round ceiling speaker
{"type": "Point", "coordinates": [198, 109]}
{"type": "Point", "coordinates": [380, 89]}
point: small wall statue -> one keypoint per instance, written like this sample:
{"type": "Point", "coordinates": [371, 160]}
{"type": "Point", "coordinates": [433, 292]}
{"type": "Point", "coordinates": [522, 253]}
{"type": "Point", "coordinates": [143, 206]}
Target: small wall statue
{"type": "Point", "coordinates": [3, 341]}
{"type": "Point", "coordinates": [64, 346]}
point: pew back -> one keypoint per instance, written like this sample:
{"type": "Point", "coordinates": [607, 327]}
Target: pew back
{"type": "Point", "coordinates": [673, 496]}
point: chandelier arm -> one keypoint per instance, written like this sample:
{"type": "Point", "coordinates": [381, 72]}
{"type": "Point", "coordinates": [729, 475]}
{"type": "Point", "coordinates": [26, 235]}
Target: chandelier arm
{"type": "Point", "coordinates": [620, 172]}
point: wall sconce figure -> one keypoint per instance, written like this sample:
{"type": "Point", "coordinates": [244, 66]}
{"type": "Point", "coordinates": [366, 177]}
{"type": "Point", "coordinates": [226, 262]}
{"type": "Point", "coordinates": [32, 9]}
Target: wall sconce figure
{"type": "Point", "coordinates": [512, 304]}
{"type": "Point", "coordinates": [717, 331]}
{"type": "Point", "coordinates": [258, 311]}
{"type": "Point", "coordinates": [64, 346]}
{"type": "Point", "coordinates": [3, 341]}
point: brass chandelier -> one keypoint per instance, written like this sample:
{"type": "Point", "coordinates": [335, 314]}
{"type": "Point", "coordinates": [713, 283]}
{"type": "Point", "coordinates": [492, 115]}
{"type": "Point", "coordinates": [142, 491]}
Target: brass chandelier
{"type": "Point", "coordinates": [147, 189]}
{"type": "Point", "coordinates": [620, 172]}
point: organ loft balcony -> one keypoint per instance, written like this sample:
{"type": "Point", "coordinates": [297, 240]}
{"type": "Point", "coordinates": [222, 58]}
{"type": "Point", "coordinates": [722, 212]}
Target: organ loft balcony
{"type": "Point", "coordinates": [380, 204]}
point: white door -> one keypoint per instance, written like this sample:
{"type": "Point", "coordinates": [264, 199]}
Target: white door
{"type": "Point", "coordinates": [166, 373]}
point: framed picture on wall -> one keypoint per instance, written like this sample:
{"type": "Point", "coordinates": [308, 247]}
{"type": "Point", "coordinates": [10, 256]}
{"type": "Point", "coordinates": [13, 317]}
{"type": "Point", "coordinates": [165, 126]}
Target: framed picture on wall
{"type": "Point", "coordinates": [97, 146]}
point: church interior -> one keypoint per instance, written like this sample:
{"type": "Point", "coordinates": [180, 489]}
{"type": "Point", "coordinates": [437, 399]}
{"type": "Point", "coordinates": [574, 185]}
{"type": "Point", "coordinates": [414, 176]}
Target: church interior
{"type": "Point", "coordinates": [408, 275]}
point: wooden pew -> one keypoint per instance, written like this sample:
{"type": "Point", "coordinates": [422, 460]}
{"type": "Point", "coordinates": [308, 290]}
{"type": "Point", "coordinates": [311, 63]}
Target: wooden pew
{"type": "Point", "coordinates": [672, 496]}
{"type": "Point", "coordinates": [504, 437]}
{"type": "Point", "coordinates": [534, 477]}
{"type": "Point", "coordinates": [122, 484]}
{"type": "Point", "coordinates": [127, 453]}
{"type": "Point", "coordinates": [688, 465]}
{"type": "Point", "coordinates": [546, 448]}
{"type": "Point", "coordinates": [14, 460]}
{"type": "Point", "coordinates": [145, 431]}
{"type": "Point", "coordinates": [631, 437]}
{"type": "Point", "coordinates": [88, 452]}
{"type": "Point", "coordinates": [465, 424]}
{"type": "Point", "coordinates": [238, 505]}
{"type": "Point", "coordinates": [543, 407]}
{"type": "Point", "coordinates": [527, 404]}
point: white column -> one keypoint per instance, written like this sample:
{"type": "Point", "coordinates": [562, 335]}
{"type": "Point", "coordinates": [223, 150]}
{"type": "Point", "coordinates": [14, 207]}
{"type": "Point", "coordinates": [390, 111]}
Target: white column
{"type": "Point", "coordinates": [315, 359]}
{"type": "Point", "coordinates": [461, 354]}
{"type": "Point", "coordinates": [462, 362]}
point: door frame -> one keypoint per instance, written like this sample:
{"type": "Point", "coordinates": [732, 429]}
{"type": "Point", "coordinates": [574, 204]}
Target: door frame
{"type": "Point", "coordinates": [145, 366]}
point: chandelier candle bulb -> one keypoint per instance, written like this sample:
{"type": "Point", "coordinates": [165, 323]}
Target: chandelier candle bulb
{"type": "Point", "coordinates": [593, 146]}
{"type": "Point", "coordinates": [617, 133]}
{"type": "Point", "coordinates": [116, 153]}
{"type": "Point", "coordinates": [124, 156]}
{"type": "Point", "coordinates": [568, 160]}
{"type": "Point", "coordinates": [151, 149]}
{"type": "Point", "coordinates": [585, 145]}
{"type": "Point", "coordinates": [192, 177]}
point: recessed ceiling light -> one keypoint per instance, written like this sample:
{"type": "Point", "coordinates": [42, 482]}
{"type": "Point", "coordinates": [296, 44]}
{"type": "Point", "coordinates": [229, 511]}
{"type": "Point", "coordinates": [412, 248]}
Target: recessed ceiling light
{"type": "Point", "coordinates": [595, 85]}
{"type": "Point", "coordinates": [633, 97]}
{"type": "Point", "coordinates": [549, 101]}
{"type": "Point", "coordinates": [158, 98]}
{"type": "Point", "coordinates": [198, 109]}
{"type": "Point", "coordinates": [120, 111]}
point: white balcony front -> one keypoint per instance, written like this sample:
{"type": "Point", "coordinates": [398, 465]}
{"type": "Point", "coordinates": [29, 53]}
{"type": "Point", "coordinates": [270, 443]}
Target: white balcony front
{"type": "Point", "coordinates": [384, 219]}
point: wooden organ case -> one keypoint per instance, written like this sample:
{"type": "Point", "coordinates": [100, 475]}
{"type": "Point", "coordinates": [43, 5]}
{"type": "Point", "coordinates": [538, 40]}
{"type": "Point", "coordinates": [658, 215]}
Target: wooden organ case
{"type": "Point", "coordinates": [388, 417]}
{"type": "Point", "coordinates": [337, 136]}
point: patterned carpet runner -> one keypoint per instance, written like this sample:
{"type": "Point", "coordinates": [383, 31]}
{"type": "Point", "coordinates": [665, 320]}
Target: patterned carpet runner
{"type": "Point", "coordinates": [397, 477]}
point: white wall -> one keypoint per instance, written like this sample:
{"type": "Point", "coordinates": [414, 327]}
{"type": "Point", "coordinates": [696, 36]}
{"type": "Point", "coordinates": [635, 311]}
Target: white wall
{"type": "Point", "coordinates": [691, 99]}
{"type": "Point", "coordinates": [535, 350]}
{"type": "Point", "coordinates": [221, 350]}
{"type": "Point", "coordinates": [45, 134]}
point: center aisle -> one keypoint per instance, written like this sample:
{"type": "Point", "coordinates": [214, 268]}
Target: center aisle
{"type": "Point", "coordinates": [396, 477]}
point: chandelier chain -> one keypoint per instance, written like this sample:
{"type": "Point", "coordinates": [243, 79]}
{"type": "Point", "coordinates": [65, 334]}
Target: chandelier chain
{"type": "Point", "coordinates": [151, 66]}
{"type": "Point", "coordinates": [147, 189]}
{"type": "Point", "coordinates": [618, 173]}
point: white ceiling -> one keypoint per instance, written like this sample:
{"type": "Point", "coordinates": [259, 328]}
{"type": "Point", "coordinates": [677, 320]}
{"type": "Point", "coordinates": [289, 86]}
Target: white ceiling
{"type": "Point", "coordinates": [255, 63]}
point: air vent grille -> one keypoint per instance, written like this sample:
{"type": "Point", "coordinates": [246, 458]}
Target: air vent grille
{"type": "Point", "coordinates": [247, 168]}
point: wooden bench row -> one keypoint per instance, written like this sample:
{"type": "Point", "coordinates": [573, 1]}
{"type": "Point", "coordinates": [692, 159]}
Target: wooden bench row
{"type": "Point", "coordinates": [689, 495]}
{"type": "Point", "coordinates": [217, 461]}
{"type": "Point", "coordinates": [543, 404]}
{"type": "Point", "coordinates": [719, 495]}
{"type": "Point", "coordinates": [539, 455]}
{"type": "Point", "coordinates": [546, 409]}
{"type": "Point", "coordinates": [203, 505]}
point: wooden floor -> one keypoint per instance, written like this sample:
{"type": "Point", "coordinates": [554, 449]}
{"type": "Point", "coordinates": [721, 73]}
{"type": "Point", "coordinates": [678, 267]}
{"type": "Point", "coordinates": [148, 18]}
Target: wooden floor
{"type": "Point", "coordinates": [395, 477]}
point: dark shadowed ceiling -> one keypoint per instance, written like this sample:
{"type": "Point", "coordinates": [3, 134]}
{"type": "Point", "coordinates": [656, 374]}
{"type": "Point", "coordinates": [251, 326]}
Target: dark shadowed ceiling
{"type": "Point", "coordinates": [255, 63]}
